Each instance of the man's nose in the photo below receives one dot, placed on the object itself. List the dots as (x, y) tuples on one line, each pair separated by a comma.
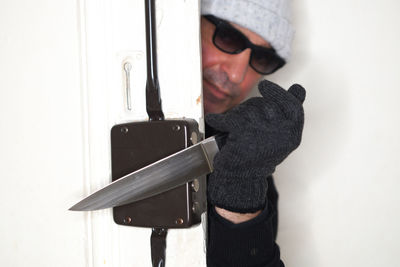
[(236, 66)]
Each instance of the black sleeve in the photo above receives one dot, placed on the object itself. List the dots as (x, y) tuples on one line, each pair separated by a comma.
[(248, 244)]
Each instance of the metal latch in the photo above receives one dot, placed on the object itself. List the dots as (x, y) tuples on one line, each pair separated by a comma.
[(136, 145)]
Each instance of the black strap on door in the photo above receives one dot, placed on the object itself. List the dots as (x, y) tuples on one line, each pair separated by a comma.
[(158, 240), (153, 97)]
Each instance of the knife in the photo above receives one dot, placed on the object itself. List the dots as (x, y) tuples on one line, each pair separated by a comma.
[(168, 173)]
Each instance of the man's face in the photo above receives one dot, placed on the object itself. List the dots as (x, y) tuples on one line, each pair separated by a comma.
[(227, 78)]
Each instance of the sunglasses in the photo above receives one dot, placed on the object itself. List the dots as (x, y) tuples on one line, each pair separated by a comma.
[(230, 40)]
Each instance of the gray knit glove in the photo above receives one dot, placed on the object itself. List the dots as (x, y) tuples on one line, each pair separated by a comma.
[(261, 133)]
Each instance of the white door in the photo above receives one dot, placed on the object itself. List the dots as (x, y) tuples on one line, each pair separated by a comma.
[(62, 88)]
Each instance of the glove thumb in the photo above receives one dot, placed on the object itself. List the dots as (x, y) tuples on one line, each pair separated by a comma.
[(298, 91)]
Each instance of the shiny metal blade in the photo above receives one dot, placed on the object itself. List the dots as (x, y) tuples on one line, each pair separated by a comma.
[(158, 177)]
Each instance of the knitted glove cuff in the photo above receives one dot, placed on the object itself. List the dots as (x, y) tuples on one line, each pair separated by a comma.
[(248, 196)]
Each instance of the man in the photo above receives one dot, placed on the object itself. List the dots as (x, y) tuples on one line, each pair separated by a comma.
[(242, 40)]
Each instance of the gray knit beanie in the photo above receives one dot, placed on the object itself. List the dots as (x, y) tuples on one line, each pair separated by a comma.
[(268, 18)]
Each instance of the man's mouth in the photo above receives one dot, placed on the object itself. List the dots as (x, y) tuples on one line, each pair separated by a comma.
[(212, 92)]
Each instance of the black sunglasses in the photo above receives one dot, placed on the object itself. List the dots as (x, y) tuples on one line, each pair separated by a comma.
[(230, 40)]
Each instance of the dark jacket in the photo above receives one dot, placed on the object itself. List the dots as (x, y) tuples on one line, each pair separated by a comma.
[(248, 244)]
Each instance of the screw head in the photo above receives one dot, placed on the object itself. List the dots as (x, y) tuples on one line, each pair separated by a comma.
[(124, 129), (193, 138), (176, 128), (179, 221), (195, 206), (195, 185)]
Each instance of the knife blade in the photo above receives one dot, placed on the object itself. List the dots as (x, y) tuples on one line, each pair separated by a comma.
[(158, 177)]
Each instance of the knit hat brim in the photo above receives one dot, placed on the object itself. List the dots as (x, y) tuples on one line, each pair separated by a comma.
[(262, 19)]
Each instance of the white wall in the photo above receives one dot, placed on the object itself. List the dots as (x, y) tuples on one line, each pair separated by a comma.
[(339, 200)]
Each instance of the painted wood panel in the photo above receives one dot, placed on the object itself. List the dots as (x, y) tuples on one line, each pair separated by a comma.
[(41, 145), (115, 34)]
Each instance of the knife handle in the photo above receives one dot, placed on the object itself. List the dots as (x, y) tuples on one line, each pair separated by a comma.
[(220, 138)]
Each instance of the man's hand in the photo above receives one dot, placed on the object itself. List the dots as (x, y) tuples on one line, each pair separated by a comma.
[(262, 132)]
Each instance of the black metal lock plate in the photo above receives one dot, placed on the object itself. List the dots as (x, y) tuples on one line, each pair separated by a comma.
[(136, 145)]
